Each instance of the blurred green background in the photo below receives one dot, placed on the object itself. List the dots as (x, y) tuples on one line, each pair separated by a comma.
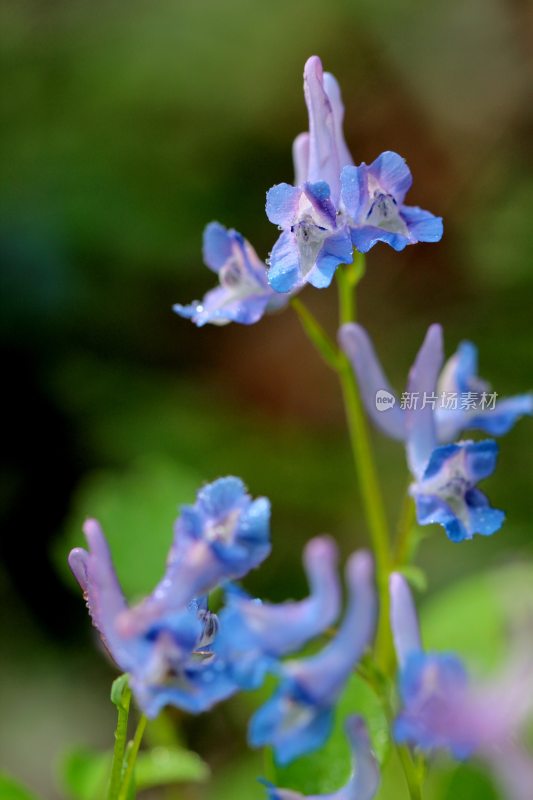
[(125, 128)]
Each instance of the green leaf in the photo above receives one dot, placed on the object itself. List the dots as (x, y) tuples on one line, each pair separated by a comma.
[(85, 773), (415, 576), (472, 617), (12, 790), (327, 770), (120, 692), (164, 765)]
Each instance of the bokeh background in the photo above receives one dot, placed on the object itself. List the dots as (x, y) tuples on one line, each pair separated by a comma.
[(125, 128)]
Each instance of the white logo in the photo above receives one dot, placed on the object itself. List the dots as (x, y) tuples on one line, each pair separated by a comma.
[(384, 400)]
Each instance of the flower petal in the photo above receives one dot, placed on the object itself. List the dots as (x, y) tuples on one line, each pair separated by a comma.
[(422, 383), (371, 379), (392, 174), (404, 619)]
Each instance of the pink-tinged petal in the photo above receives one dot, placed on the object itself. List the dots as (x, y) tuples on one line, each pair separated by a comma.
[(404, 619), (334, 94), (300, 157), (324, 162), (422, 383), (105, 601), (282, 204), (376, 392)]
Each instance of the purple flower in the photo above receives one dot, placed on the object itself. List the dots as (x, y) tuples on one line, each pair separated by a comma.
[(169, 661), (244, 294), (253, 635), (444, 488), (298, 718), (315, 238), (372, 197), (364, 780), (442, 709)]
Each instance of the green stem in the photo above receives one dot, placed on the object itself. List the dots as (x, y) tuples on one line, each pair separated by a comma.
[(411, 773), (121, 734), (316, 334), (404, 545), (131, 758), (366, 471)]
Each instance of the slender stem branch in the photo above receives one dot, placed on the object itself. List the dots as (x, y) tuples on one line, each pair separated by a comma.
[(316, 334), (131, 758), (121, 735), (411, 773), (366, 468), (403, 545)]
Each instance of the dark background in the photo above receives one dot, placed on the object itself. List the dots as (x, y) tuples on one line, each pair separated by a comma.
[(125, 128)]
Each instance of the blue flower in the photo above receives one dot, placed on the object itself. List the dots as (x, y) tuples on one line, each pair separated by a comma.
[(166, 642), (298, 718), (313, 242), (372, 197), (244, 294), (253, 635), (315, 238), (364, 780), (446, 492), (222, 537), (482, 410), (444, 488), (441, 709), (168, 661)]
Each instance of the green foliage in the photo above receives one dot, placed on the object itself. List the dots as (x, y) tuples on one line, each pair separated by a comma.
[(10, 789), (164, 765), (85, 774), (472, 617)]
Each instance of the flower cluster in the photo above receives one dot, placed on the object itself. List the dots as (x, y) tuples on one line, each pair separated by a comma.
[(445, 473), (178, 652), (333, 208)]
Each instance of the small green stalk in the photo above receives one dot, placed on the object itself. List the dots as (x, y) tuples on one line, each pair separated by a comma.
[(121, 697), (131, 757)]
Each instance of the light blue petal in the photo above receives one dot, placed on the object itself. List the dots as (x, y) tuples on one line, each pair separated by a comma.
[(282, 204), (366, 236), (423, 226), (336, 250), (373, 384), (284, 271), (354, 191), (290, 726), (501, 419), (221, 496), (217, 245)]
